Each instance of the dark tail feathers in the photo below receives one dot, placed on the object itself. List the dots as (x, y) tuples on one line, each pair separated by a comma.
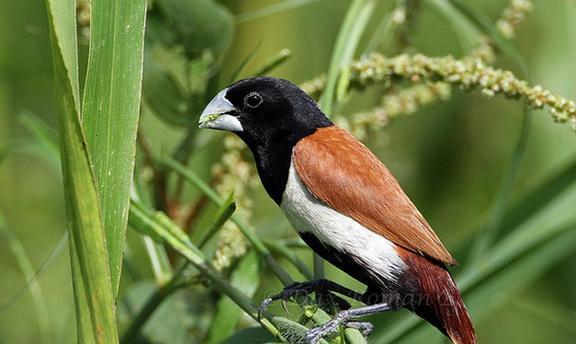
[(441, 303)]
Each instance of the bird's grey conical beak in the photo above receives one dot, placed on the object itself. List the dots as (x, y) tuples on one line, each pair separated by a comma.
[(218, 114)]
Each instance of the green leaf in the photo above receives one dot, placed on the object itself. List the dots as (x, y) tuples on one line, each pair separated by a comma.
[(110, 112), (197, 25), (349, 36), (95, 306), (245, 277)]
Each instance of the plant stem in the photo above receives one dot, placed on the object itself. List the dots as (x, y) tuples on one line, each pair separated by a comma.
[(258, 245)]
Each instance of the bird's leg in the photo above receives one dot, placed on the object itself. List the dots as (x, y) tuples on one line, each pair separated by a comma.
[(343, 318), (322, 287)]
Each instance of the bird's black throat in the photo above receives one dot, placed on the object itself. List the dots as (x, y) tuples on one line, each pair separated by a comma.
[(273, 156)]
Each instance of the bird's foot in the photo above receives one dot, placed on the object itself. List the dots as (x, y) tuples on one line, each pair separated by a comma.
[(363, 326), (321, 287), (314, 335)]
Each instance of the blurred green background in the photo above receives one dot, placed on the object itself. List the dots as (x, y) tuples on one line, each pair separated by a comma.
[(450, 157)]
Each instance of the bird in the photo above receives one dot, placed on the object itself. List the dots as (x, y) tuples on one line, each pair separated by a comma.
[(345, 205)]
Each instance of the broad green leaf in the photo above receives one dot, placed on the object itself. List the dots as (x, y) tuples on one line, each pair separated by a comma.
[(245, 277), (198, 25), (95, 306), (110, 112), (354, 24)]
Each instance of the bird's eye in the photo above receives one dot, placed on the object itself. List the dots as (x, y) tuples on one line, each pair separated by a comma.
[(253, 100)]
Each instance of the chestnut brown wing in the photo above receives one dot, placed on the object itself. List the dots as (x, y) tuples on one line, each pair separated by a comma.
[(340, 171)]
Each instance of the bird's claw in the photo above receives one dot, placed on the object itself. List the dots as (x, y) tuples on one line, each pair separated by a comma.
[(325, 298), (284, 296), (314, 335), (263, 305), (363, 326)]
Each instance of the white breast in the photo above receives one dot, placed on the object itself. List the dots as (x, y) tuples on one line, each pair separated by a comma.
[(308, 214)]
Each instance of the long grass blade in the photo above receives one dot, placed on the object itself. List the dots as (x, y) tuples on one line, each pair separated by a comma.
[(349, 36), (95, 303), (110, 112)]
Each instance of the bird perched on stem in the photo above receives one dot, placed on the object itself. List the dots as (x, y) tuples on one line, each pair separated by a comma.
[(345, 204)]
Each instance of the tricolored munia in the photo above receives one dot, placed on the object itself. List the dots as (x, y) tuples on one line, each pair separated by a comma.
[(345, 204)]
